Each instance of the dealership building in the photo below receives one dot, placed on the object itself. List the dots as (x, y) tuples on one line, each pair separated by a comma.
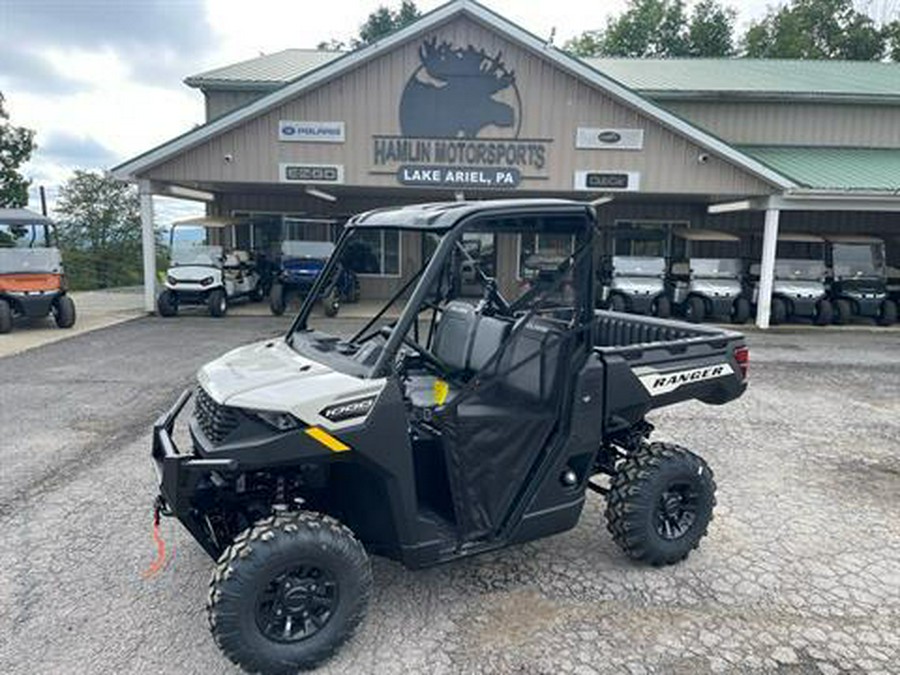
[(465, 104)]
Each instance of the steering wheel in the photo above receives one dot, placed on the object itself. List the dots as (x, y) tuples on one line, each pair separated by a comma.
[(431, 359)]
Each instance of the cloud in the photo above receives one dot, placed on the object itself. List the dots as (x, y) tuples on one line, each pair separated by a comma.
[(150, 36), (24, 70), (76, 151)]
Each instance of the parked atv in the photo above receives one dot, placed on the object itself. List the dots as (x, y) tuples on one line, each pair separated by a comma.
[(858, 283), (798, 289), (204, 274), (32, 280), (301, 262), (706, 276), (458, 428)]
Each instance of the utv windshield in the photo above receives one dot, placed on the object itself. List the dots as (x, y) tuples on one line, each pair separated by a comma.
[(795, 259), (799, 269), (628, 266), (858, 260), (309, 250), (533, 261)]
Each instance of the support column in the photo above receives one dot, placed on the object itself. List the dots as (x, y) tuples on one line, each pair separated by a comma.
[(148, 244), (767, 268)]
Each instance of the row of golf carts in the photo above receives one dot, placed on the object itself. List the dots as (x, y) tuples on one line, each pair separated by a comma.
[(705, 277), (205, 274)]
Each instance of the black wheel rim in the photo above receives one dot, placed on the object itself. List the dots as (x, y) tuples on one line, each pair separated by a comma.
[(676, 510), (296, 604)]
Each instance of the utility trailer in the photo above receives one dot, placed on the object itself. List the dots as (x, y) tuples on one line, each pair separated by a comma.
[(458, 428)]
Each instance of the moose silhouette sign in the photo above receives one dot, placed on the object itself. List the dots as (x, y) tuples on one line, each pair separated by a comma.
[(451, 94), (460, 115)]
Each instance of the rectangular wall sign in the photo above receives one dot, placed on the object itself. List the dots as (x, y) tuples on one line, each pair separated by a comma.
[(608, 181), (311, 132), (311, 173), (598, 138)]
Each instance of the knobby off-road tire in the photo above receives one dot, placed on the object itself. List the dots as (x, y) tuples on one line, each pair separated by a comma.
[(288, 564), (6, 320), (660, 503), (64, 311), (217, 303)]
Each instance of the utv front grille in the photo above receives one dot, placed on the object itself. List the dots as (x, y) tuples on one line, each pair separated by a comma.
[(216, 421)]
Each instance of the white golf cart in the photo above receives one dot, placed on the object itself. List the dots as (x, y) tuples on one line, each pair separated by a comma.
[(201, 273), (707, 275)]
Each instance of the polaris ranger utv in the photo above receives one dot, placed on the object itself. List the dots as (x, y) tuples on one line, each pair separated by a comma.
[(707, 275), (299, 265), (458, 428), (204, 274), (32, 281), (858, 283)]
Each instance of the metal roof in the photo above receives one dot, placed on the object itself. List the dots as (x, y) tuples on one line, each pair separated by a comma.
[(22, 217), (265, 72), (658, 78), (130, 169), (443, 216), (756, 78), (871, 169)]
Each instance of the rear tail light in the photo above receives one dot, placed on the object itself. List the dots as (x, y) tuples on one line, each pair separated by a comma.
[(742, 356)]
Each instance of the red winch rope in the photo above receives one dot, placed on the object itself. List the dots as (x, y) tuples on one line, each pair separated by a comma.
[(160, 562)]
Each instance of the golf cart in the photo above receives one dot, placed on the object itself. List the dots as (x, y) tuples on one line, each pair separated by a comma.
[(300, 264), (32, 282), (858, 285), (458, 428), (707, 275), (204, 274), (798, 289), (634, 277)]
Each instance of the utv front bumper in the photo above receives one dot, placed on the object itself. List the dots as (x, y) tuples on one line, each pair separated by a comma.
[(180, 473)]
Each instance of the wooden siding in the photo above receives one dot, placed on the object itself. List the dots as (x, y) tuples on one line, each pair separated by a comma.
[(553, 105), (867, 126)]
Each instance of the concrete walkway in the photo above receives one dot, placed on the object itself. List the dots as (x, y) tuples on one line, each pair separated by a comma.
[(93, 309)]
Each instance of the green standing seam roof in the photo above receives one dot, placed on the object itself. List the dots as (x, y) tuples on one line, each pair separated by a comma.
[(850, 169), (662, 78), (784, 78)]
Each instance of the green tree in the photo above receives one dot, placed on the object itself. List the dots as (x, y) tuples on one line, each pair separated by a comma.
[(661, 28), (711, 30), (100, 231), (383, 21), (16, 146), (815, 29), (891, 34)]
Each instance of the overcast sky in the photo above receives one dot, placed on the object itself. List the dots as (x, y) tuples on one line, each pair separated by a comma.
[(101, 80)]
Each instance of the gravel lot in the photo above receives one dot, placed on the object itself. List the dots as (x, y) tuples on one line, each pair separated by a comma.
[(800, 572)]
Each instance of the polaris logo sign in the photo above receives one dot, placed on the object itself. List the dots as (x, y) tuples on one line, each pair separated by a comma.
[(658, 383), (311, 132)]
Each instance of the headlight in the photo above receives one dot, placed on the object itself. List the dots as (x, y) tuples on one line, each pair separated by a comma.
[(206, 281), (172, 280), (280, 421), (349, 410)]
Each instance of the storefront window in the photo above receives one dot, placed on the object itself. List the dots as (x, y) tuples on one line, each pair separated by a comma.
[(643, 238), (375, 252)]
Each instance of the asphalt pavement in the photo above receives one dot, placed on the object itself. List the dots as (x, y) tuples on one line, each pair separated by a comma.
[(800, 572)]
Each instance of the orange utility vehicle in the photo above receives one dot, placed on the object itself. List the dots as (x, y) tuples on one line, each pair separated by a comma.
[(32, 283)]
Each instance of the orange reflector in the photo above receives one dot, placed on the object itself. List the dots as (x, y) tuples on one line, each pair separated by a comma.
[(327, 439)]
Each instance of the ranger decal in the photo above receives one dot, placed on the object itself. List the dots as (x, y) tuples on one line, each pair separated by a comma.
[(658, 383)]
